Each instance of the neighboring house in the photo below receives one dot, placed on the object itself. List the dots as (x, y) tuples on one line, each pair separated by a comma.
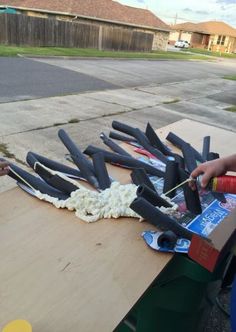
[(102, 12), (212, 35)]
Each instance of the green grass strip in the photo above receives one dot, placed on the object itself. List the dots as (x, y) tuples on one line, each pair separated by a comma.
[(230, 77), (12, 51), (231, 109), (210, 53)]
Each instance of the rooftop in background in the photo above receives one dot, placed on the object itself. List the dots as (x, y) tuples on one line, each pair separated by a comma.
[(108, 10), (210, 27)]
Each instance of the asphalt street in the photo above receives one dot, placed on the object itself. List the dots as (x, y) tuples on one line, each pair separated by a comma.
[(132, 73), (24, 79)]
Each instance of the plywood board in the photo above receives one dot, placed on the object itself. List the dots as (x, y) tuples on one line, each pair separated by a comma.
[(63, 274), (222, 141)]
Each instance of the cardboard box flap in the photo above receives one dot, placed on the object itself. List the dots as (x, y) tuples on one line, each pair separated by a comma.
[(221, 234)]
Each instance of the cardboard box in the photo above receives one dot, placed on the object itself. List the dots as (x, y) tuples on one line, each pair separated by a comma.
[(223, 238)]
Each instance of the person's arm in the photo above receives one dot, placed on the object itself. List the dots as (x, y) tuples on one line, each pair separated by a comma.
[(213, 168), (3, 168)]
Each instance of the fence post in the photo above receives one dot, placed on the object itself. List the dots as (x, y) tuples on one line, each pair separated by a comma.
[(6, 29), (100, 38)]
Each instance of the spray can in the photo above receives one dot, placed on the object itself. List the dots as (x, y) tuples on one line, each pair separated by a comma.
[(222, 184)]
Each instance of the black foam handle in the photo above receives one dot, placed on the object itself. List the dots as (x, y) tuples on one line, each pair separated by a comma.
[(192, 198), (206, 147), (167, 239), (124, 128), (33, 157), (20, 175), (113, 146), (152, 196), (212, 156), (124, 161), (177, 141), (189, 157), (139, 176), (143, 140), (86, 171), (180, 160), (79, 159), (140, 137), (153, 215), (101, 171), (73, 149), (171, 178), (219, 196), (155, 140), (122, 138), (55, 180)]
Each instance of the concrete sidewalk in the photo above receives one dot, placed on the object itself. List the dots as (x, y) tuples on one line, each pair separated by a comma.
[(33, 124)]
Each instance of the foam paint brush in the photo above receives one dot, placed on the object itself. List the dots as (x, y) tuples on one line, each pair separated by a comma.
[(101, 171), (139, 176), (113, 146), (155, 141), (122, 138), (191, 197), (34, 183), (141, 139), (212, 156), (216, 194), (124, 161), (87, 173), (33, 157), (206, 147), (124, 128), (152, 196), (189, 157), (73, 149), (177, 141), (171, 178), (55, 180), (85, 166), (159, 219)]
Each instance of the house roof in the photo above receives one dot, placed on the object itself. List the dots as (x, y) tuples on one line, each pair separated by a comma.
[(108, 10), (210, 27)]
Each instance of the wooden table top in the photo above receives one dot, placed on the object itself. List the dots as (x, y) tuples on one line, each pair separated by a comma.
[(63, 274)]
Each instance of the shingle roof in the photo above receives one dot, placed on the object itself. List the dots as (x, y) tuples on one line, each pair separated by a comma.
[(101, 9), (210, 27)]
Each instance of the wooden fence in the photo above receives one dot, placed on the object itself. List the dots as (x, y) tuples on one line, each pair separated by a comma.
[(34, 31)]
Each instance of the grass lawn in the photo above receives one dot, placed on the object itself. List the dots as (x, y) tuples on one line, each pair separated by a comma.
[(83, 52), (232, 77), (206, 52), (231, 109)]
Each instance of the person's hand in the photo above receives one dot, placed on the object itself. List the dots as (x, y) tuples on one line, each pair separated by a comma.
[(3, 168), (210, 169)]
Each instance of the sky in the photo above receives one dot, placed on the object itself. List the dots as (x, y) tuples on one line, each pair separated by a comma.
[(179, 11)]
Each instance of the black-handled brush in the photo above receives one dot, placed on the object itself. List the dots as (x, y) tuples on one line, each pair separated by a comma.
[(79, 159)]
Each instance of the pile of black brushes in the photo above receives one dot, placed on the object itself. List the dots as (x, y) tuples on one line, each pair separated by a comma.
[(53, 177)]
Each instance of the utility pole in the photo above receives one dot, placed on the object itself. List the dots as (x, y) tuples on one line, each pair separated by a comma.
[(176, 17)]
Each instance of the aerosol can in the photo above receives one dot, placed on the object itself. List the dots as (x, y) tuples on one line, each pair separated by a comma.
[(221, 184)]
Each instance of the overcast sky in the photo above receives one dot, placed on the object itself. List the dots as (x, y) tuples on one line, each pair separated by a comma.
[(189, 10)]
